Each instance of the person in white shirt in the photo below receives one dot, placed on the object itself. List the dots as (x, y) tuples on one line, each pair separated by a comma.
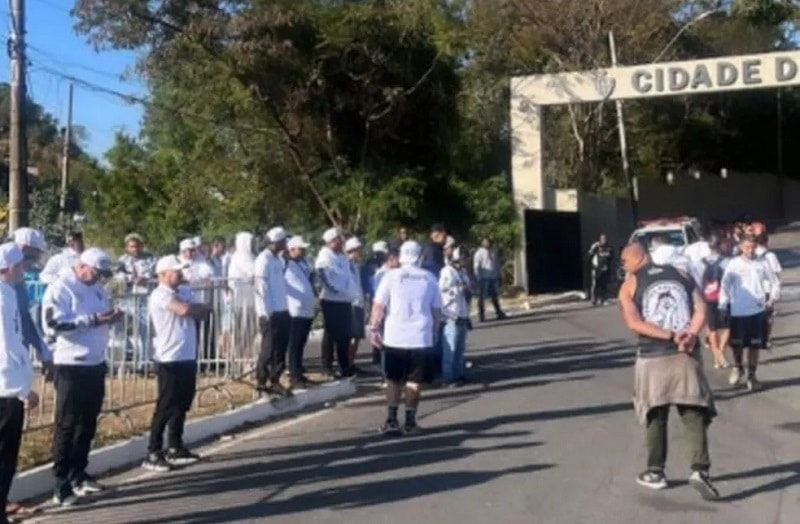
[(749, 288), (199, 272), (662, 254), (699, 250), (272, 308), (352, 249), (336, 302), (487, 272), (301, 298), (771, 260), (16, 371), (135, 271), (78, 309), (199, 277), (172, 310), (241, 270), (64, 260), (455, 318), (408, 300)]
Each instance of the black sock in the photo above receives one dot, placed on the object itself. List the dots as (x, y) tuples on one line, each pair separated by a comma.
[(392, 414), (751, 371), (411, 416)]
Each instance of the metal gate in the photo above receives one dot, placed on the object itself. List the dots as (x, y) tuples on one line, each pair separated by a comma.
[(554, 251)]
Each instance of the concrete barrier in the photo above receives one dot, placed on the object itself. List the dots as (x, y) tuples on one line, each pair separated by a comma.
[(39, 481)]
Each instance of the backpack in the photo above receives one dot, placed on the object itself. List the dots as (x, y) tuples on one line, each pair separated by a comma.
[(712, 279)]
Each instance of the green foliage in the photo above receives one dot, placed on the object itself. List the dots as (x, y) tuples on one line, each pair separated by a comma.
[(373, 114)]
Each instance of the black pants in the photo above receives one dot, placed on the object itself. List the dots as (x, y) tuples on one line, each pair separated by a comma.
[(79, 397), (275, 334), (177, 382), (487, 287), (298, 337), (12, 414), (600, 281), (337, 318)]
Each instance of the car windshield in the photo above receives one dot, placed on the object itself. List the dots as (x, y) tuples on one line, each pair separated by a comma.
[(673, 236)]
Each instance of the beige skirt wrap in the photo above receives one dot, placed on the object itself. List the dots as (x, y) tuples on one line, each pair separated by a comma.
[(670, 380)]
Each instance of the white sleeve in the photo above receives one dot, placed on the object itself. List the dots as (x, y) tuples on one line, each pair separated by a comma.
[(447, 290), (774, 263), (11, 336), (58, 312), (383, 292), (49, 273)]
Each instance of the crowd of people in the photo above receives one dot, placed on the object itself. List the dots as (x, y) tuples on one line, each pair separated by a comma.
[(726, 283), (415, 298)]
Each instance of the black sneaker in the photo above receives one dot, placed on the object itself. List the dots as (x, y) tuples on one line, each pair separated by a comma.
[(411, 428), (390, 428), (652, 479), (156, 462), (86, 485), (181, 456), (702, 483), (64, 496)]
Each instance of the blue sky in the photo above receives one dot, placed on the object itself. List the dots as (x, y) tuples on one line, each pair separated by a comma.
[(54, 45)]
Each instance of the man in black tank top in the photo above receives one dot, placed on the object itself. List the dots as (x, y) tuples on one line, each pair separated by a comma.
[(663, 306)]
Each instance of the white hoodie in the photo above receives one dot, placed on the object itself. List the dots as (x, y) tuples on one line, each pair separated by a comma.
[(241, 271), (669, 255), (16, 371)]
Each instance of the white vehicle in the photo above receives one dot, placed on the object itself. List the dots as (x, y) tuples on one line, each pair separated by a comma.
[(679, 231)]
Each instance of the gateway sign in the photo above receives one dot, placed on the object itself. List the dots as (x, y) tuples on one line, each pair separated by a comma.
[(676, 80), (733, 73)]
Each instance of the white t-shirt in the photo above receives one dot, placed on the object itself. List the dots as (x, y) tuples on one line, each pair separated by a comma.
[(410, 296), (299, 292), (174, 336), (745, 285), (69, 307)]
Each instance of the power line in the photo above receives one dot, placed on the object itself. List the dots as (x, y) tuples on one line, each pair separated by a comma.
[(132, 99), (66, 64)]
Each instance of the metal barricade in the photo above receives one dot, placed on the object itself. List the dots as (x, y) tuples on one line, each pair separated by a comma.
[(228, 345)]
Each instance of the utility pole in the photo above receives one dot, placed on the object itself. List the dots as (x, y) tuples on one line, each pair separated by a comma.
[(18, 161), (630, 178), (67, 139)]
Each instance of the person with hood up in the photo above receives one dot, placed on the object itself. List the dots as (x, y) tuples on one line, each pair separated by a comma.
[(662, 253), (240, 294)]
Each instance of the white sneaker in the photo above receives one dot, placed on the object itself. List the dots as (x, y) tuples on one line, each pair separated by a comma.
[(735, 377)]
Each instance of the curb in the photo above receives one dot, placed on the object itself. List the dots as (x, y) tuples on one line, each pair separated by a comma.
[(39, 480)]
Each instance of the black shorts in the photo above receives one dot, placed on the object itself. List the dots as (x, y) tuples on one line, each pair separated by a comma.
[(357, 329), (407, 365), (749, 332), (717, 318)]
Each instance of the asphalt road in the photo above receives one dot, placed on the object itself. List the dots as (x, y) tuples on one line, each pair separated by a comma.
[(546, 435)]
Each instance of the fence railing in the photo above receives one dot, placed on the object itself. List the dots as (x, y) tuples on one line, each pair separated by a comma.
[(228, 345)]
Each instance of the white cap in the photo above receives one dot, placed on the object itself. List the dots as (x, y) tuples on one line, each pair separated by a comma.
[(170, 263), (10, 255), (27, 236), (187, 243), (96, 258), (352, 244), (276, 234), (330, 235), (409, 253), (380, 247), (297, 242), (198, 241), (449, 241)]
